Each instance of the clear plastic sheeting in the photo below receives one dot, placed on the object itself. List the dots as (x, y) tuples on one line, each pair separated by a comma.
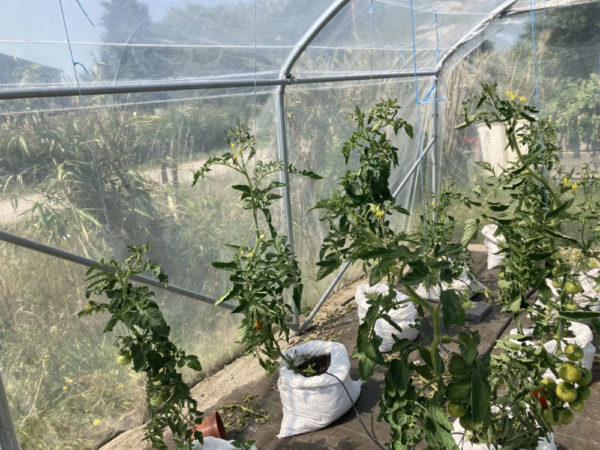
[(64, 386), (109, 107), (145, 148), (318, 124), (378, 36), (149, 40), (565, 85)]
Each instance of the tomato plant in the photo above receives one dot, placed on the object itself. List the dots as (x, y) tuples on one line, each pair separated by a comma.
[(359, 217), (263, 269), (147, 345), (549, 238)]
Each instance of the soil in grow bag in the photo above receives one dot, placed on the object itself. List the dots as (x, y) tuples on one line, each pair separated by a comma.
[(315, 366)]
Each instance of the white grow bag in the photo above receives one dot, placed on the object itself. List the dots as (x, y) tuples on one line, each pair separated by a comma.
[(491, 244), (213, 443), (461, 437), (589, 297), (312, 403), (405, 316), (582, 337), (462, 283)]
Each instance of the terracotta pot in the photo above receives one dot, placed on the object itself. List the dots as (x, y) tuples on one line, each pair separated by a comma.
[(212, 426)]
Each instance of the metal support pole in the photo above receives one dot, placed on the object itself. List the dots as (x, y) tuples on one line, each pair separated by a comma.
[(324, 297), (412, 169), (164, 86), (67, 256), (285, 179), (434, 159), (8, 437)]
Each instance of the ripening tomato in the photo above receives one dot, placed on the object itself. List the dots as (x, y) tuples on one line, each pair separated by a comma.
[(541, 396)]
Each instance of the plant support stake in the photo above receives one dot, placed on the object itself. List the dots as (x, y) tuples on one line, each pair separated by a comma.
[(67, 256)]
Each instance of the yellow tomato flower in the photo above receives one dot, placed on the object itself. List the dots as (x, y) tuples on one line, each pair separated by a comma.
[(433, 203), (565, 181), (232, 145), (234, 156), (96, 422), (379, 214), (522, 99), (251, 255), (239, 149), (574, 187), (64, 388), (69, 380)]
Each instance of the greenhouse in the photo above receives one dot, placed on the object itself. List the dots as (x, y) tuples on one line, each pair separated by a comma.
[(273, 224)]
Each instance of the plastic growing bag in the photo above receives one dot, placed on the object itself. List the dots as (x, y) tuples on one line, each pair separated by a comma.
[(213, 443), (462, 283), (590, 296), (461, 437), (491, 244), (582, 337), (312, 403), (405, 316)]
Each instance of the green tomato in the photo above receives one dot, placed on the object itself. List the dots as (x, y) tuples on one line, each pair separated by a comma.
[(124, 358), (565, 416), (467, 423), (156, 400), (573, 287), (549, 416), (569, 372), (566, 392), (549, 384), (574, 352), (586, 377), (583, 393), (556, 283), (571, 307), (456, 409), (577, 405)]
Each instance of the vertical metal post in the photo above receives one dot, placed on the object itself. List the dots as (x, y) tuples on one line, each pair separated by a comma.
[(8, 437), (434, 156), (285, 178)]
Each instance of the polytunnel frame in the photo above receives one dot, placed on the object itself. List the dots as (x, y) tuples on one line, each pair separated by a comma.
[(8, 439)]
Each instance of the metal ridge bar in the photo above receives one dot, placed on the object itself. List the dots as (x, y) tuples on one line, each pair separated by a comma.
[(361, 77), (310, 34), (132, 88), (414, 167), (71, 257)]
